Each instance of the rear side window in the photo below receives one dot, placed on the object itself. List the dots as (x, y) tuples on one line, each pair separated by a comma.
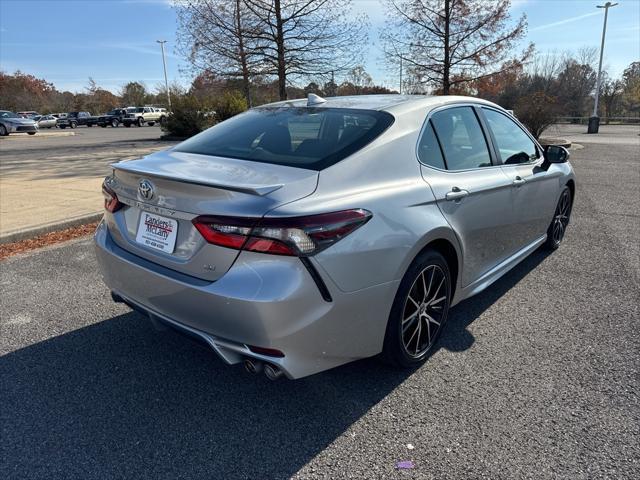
[(461, 138), (312, 138), (429, 151), (513, 144)]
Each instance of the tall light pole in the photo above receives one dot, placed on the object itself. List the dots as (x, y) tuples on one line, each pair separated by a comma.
[(594, 121), (164, 66)]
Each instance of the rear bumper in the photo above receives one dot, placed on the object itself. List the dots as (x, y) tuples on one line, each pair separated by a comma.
[(263, 300)]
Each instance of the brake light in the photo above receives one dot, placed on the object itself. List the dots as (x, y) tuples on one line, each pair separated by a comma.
[(294, 236), (111, 202)]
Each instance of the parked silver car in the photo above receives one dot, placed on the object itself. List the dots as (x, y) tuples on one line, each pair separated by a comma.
[(13, 123), (305, 234), (45, 121)]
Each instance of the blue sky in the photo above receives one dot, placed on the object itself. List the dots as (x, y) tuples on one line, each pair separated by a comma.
[(113, 41)]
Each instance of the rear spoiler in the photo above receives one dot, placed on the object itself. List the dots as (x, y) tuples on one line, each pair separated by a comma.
[(259, 190)]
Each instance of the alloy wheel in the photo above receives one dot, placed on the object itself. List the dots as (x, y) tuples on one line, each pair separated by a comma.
[(561, 217), (424, 311)]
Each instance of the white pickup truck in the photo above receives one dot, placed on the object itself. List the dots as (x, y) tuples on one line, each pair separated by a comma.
[(145, 115)]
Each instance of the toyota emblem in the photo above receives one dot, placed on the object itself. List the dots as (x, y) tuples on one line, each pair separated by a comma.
[(145, 189)]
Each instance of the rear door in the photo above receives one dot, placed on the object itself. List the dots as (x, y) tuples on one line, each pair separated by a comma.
[(534, 190), (472, 191)]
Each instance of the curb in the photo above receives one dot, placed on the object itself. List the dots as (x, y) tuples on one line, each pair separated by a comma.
[(14, 136), (27, 233)]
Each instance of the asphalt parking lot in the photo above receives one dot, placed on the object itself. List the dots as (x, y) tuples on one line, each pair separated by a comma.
[(537, 377)]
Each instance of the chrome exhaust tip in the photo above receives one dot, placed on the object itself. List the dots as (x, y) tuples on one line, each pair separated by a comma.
[(252, 366), (272, 372)]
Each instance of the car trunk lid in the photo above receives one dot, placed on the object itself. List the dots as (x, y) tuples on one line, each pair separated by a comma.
[(184, 186)]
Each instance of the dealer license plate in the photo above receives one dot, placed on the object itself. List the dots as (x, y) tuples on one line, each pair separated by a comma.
[(157, 232)]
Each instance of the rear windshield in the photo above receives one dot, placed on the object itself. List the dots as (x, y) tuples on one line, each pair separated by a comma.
[(312, 138)]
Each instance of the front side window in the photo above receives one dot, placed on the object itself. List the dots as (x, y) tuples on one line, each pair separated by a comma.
[(312, 138), (461, 138), (512, 143)]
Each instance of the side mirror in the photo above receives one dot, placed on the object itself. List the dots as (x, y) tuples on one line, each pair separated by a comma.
[(556, 154)]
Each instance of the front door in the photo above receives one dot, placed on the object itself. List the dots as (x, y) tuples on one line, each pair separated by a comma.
[(535, 190)]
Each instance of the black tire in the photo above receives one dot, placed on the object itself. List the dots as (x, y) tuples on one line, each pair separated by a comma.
[(427, 270), (3, 131), (560, 220), (128, 125), (114, 123), (89, 125), (151, 124), (73, 124), (103, 125), (31, 133), (140, 121), (62, 126), (163, 120)]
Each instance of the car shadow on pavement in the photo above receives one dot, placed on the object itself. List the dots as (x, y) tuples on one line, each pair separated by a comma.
[(117, 399), (456, 337)]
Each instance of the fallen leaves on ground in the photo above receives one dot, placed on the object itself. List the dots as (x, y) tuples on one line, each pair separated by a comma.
[(51, 238)]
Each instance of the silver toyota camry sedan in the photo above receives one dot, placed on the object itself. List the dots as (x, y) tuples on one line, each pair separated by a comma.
[(305, 234)]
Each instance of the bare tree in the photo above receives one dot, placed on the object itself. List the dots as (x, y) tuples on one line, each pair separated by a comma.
[(359, 78), (448, 43), (543, 70), (306, 38), (611, 93), (218, 36)]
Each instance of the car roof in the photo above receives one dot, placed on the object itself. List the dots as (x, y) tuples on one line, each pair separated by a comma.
[(393, 103)]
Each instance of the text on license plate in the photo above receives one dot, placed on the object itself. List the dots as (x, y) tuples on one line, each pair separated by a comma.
[(157, 232)]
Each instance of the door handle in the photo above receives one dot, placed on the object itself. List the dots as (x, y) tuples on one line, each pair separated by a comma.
[(456, 194), (518, 181)]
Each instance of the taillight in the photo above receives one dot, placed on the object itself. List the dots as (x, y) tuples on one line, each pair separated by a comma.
[(295, 236), (111, 202)]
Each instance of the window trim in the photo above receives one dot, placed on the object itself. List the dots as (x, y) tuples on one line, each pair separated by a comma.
[(427, 124), (539, 149), (490, 146)]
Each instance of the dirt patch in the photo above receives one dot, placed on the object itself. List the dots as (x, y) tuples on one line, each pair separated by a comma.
[(10, 249)]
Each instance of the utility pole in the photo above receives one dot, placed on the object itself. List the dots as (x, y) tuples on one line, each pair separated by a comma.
[(400, 74), (333, 84), (164, 66), (594, 120)]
